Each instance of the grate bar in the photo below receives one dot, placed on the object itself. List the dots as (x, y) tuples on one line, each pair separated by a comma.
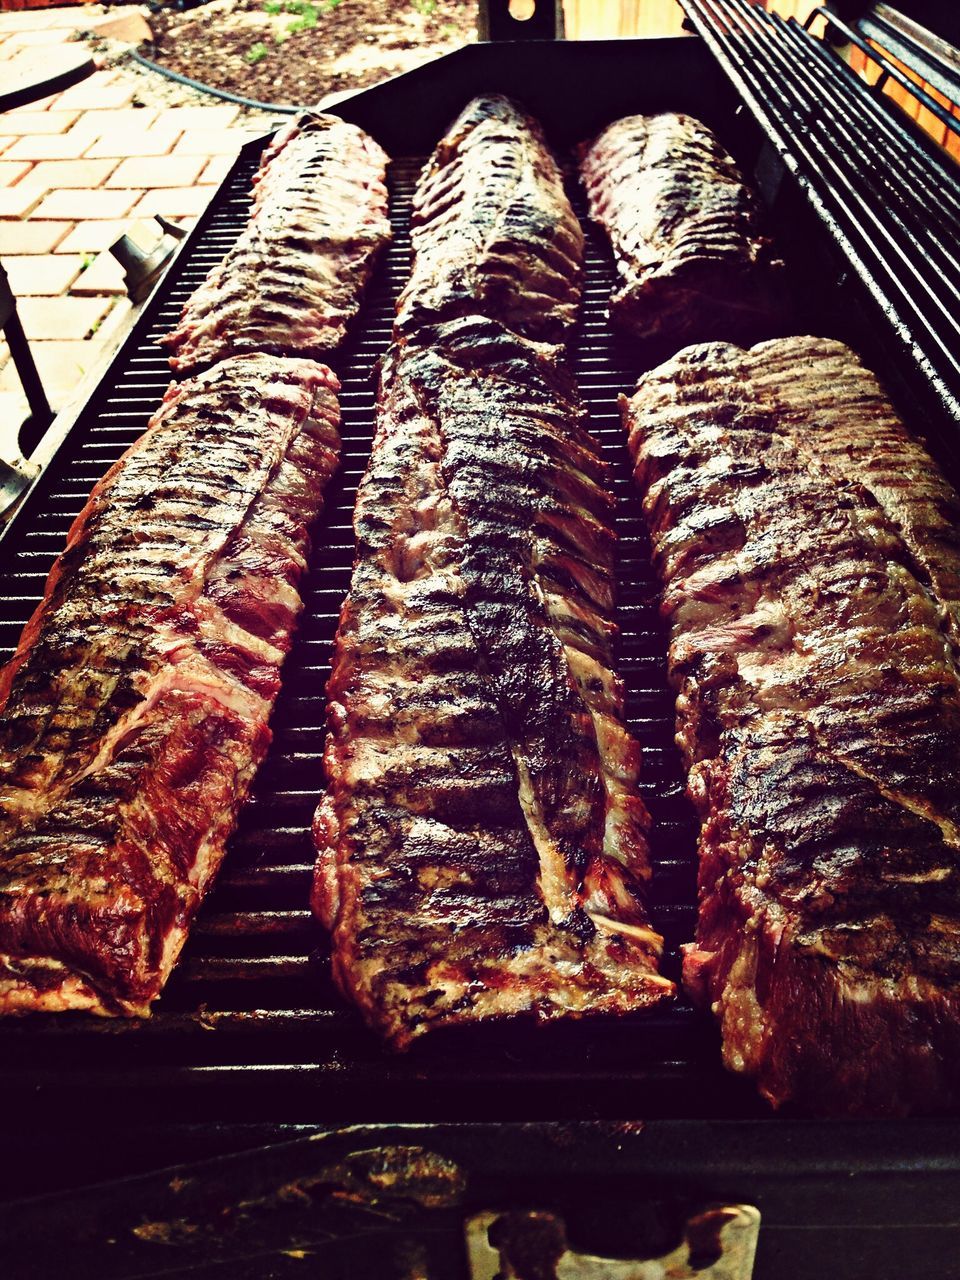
[(814, 109)]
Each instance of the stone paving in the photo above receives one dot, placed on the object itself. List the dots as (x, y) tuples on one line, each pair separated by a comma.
[(78, 169)]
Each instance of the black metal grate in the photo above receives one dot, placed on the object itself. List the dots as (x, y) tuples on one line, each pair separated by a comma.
[(250, 1026), (891, 204)]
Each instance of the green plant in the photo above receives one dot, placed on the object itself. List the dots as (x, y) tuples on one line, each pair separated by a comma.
[(425, 7), (307, 12), (273, 7), (256, 53), (87, 260)]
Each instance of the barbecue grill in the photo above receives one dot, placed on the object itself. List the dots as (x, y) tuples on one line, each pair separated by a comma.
[(250, 1043)]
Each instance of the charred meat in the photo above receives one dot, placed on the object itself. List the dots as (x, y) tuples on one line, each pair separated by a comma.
[(685, 232), (809, 550), (295, 278), (482, 847), (134, 712), (493, 232)]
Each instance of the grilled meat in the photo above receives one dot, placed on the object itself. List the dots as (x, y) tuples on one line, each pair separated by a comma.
[(294, 279), (809, 550), (134, 712), (482, 848), (685, 234), (493, 232)]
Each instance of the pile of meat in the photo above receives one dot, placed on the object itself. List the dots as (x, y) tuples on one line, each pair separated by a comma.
[(482, 847), (134, 713)]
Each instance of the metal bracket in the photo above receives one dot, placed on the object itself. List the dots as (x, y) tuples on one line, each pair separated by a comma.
[(719, 1244), (143, 268), (16, 472)]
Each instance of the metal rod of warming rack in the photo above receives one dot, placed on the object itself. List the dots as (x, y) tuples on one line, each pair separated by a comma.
[(881, 233), (942, 192), (857, 183), (872, 178), (520, 20), (890, 72)]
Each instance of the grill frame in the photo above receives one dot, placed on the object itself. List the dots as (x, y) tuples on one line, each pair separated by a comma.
[(664, 1067)]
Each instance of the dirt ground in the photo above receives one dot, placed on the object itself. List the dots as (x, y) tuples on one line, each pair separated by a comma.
[(296, 52)]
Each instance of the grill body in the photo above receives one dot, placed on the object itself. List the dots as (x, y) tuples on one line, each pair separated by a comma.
[(250, 1039)]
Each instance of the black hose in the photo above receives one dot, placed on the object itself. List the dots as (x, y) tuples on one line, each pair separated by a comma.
[(206, 88)]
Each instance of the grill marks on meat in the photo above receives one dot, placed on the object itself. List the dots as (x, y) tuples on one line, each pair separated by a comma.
[(133, 715), (493, 232), (294, 279), (482, 847), (685, 232), (809, 550)]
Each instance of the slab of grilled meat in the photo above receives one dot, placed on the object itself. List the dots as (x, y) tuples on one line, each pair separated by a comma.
[(810, 555), (295, 277), (493, 232), (134, 712), (482, 847), (685, 231)]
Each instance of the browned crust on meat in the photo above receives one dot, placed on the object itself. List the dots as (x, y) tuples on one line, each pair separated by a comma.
[(809, 550), (685, 231), (295, 278), (493, 231), (482, 849), (134, 712)]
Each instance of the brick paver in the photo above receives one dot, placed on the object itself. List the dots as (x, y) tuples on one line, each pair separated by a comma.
[(47, 146), (158, 171), (11, 171), (55, 175), (17, 202), (103, 276), (86, 204), (91, 237), (26, 123), (77, 170), (31, 237), (48, 274), (175, 202), (134, 143), (52, 319)]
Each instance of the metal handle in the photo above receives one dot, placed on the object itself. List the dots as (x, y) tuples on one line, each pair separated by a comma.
[(496, 22)]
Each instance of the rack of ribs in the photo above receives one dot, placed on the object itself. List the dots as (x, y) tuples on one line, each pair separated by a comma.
[(493, 232), (133, 715), (685, 232), (295, 277), (809, 550), (482, 846)]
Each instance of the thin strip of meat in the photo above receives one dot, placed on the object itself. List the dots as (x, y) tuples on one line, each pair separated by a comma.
[(295, 277), (493, 231), (482, 847), (134, 712), (685, 232), (809, 550)]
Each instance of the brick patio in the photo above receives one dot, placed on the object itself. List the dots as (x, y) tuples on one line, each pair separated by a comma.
[(77, 170)]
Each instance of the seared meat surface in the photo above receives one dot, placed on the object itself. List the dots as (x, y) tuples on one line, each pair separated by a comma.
[(685, 232), (295, 277), (493, 231), (482, 848), (134, 712), (809, 550)]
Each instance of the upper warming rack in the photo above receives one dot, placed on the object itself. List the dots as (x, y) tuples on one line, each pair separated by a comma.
[(890, 202)]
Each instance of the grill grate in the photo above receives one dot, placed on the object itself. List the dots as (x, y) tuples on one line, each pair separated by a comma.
[(250, 1026), (889, 202)]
